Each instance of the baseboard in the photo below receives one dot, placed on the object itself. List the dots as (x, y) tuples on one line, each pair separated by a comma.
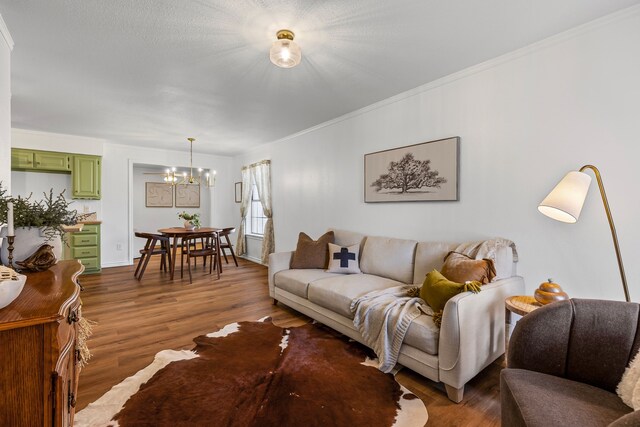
[(253, 259), (115, 264)]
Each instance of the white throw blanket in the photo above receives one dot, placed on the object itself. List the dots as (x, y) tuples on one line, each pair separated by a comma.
[(383, 318), (629, 387), (488, 249)]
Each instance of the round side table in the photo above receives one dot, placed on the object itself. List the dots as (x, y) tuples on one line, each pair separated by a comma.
[(518, 304)]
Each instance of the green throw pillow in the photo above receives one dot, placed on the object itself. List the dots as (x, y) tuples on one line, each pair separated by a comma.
[(437, 290)]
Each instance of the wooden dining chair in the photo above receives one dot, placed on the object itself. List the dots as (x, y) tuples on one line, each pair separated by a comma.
[(226, 244), (150, 249), (210, 248)]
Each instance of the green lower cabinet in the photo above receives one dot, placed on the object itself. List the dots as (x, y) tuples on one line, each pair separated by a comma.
[(85, 246)]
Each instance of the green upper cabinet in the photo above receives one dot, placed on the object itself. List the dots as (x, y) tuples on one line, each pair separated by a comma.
[(40, 161), (85, 170), (21, 159), (51, 161), (86, 177)]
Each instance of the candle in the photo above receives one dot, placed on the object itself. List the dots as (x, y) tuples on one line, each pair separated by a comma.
[(10, 231)]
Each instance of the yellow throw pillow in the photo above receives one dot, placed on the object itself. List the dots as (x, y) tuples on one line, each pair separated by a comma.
[(437, 290)]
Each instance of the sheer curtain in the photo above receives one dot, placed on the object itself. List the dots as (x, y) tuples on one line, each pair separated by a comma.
[(241, 248), (261, 172)]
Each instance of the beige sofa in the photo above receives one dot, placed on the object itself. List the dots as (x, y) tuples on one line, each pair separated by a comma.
[(472, 334)]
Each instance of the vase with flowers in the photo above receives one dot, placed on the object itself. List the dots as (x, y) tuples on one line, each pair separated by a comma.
[(191, 221)]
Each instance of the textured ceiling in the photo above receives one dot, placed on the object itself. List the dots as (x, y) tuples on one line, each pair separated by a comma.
[(152, 72)]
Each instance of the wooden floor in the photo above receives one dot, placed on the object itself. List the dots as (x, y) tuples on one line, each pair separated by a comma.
[(135, 320)]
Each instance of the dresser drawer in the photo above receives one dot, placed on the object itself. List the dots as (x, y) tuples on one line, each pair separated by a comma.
[(84, 240), (89, 229), (90, 263), (84, 252)]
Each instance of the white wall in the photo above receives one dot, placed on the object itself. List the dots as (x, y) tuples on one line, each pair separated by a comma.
[(524, 120), (6, 45), (38, 184), (149, 219), (48, 141), (117, 168)]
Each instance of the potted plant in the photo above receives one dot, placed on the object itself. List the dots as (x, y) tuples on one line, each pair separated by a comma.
[(36, 222), (191, 221)]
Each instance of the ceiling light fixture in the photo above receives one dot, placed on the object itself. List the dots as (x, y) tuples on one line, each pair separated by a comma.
[(285, 53), (170, 176)]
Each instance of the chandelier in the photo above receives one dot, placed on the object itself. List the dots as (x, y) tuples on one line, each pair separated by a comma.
[(173, 178)]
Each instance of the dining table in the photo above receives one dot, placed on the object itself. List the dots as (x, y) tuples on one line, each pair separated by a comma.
[(176, 233)]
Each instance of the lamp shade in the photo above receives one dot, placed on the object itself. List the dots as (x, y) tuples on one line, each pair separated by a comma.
[(564, 202), (285, 53)]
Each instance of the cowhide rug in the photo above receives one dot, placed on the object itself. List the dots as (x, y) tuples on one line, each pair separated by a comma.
[(258, 374)]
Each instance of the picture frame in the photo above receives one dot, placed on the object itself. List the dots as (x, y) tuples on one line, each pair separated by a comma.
[(238, 192), (425, 172), (187, 195), (158, 195)]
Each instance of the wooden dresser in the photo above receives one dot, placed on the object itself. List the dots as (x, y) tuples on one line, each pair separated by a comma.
[(38, 357)]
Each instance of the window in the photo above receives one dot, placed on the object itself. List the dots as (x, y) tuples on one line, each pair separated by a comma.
[(256, 216)]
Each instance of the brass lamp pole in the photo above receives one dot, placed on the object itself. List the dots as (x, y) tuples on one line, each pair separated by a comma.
[(565, 201)]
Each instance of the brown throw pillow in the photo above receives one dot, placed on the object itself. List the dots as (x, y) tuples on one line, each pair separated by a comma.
[(312, 253), (461, 268)]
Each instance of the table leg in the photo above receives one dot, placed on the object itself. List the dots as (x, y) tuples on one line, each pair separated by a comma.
[(173, 256), (507, 331)]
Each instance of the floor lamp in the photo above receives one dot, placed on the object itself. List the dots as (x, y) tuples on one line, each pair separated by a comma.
[(565, 201)]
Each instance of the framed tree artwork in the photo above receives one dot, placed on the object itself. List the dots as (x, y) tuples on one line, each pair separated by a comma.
[(158, 195), (187, 196), (415, 173)]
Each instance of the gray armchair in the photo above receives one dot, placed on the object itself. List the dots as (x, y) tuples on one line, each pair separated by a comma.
[(564, 363)]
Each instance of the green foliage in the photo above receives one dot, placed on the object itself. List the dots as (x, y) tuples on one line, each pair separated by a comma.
[(50, 214), (193, 218)]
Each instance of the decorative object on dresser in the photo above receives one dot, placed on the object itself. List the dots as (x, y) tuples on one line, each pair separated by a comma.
[(549, 292), (38, 334), (304, 376), (41, 260), (11, 284), (35, 222), (564, 203), (415, 173)]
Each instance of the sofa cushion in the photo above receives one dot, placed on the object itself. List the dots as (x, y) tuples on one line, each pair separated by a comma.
[(390, 258), (534, 399), (336, 293), (312, 253), (297, 281), (344, 259), (430, 256), (462, 268), (423, 334)]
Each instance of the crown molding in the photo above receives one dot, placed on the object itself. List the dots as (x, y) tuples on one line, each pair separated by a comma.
[(474, 69), (5, 33)]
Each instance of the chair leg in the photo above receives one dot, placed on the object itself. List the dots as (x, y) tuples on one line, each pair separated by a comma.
[(224, 253), (182, 262), (189, 267), (233, 255), (144, 267), (140, 261)]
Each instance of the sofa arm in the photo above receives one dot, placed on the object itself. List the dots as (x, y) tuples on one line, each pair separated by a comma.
[(472, 333), (278, 261)]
